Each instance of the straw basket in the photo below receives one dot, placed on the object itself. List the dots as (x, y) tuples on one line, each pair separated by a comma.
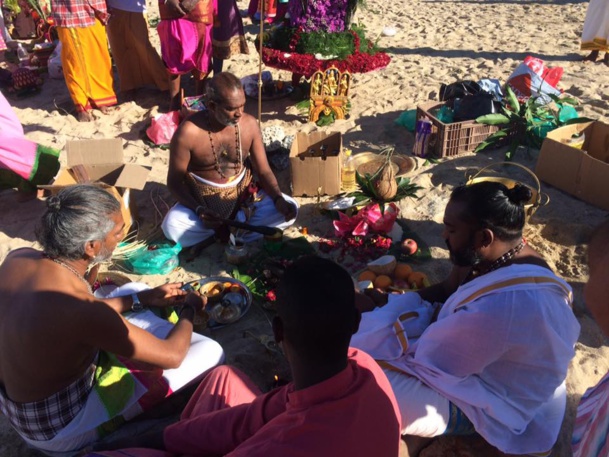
[(531, 206)]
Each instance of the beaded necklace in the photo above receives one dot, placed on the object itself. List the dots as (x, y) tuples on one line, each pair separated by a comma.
[(237, 166), (73, 270), (497, 263)]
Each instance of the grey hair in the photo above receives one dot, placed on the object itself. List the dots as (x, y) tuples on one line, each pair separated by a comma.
[(76, 215), (222, 81)]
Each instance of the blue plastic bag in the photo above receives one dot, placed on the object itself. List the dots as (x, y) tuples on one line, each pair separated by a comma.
[(407, 119), (157, 259)]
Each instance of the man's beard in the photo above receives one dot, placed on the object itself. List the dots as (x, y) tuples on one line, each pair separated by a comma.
[(466, 257), (104, 254)]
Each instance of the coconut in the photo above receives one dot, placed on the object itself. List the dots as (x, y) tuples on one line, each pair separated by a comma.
[(383, 265), (384, 183)]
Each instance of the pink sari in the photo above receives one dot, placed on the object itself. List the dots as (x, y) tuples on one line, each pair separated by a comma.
[(23, 163)]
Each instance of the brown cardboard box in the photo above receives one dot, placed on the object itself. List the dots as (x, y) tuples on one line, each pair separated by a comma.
[(316, 160), (583, 173), (101, 161)]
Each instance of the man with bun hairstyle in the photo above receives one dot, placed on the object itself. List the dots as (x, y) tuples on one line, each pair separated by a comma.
[(495, 360)]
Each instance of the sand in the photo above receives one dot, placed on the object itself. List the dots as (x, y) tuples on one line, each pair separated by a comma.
[(436, 42)]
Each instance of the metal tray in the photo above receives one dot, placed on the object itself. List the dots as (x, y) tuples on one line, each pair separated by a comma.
[(243, 308)]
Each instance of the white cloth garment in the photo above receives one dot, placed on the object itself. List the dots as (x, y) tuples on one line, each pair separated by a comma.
[(183, 226), (499, 351), (596, 26)]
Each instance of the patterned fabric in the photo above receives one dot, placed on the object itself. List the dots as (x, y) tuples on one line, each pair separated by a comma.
[(591, 432), (42, 420), (224, 201), (78, 13), (228, 35)]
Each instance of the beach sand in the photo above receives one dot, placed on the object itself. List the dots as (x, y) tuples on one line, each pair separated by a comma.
[(436, 42)]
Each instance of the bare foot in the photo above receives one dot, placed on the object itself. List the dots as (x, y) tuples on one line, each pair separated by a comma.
[(105, 109), (606, 59), (591, 57), (84, 116)]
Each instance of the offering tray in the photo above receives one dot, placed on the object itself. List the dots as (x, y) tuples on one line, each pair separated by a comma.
[(369, 162), (228, 300)]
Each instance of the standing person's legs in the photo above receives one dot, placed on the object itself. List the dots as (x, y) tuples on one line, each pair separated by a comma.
[(87, 67), (137, 61)]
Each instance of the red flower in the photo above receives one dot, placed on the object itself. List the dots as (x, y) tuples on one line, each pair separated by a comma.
[(271, 296)]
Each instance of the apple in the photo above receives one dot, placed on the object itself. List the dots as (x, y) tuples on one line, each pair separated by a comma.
[(401, 284), (409, 246)]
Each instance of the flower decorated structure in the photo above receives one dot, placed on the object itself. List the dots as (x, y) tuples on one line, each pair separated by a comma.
[(323, 25)]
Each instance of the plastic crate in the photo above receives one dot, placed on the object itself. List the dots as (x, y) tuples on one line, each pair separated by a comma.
[(448, 140)]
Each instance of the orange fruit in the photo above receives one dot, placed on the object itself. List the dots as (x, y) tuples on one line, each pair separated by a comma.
[(418, 279), (227, 285), (235, 288), (382, 282), (366, 275), (402, 271)]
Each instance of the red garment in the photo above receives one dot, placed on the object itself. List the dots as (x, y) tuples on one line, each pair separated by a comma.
[(353, 413), (78, 13)]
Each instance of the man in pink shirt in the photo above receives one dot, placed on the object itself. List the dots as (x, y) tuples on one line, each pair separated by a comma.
[(339, 403)]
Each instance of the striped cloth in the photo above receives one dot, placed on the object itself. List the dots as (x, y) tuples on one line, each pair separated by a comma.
[(42, 420), (591, 431), (78, 13)]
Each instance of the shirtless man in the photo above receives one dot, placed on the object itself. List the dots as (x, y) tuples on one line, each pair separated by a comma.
[(212, 157), (55, 334)]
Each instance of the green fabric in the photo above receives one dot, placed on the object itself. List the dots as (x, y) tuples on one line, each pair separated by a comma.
[(114, 383), (45, 168)]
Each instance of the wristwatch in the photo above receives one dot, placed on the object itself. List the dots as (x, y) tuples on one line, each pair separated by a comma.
[(137, 306)]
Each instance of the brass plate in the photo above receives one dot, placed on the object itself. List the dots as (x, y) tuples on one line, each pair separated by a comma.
[(404, 164)]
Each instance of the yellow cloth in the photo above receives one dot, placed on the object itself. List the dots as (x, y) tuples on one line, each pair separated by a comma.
[(137, 62), (86, 66)]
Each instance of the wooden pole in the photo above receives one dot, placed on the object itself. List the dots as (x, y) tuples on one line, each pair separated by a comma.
[(260, 44)]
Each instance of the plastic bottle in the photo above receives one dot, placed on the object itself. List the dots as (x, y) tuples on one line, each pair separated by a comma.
[(347, 175)]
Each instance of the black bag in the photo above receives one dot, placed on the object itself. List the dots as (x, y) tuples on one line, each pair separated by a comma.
[(459, 89), (473, 106)]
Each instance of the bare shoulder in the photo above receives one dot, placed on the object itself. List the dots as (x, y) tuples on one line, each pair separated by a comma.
[(249, 125), (189, 130), (23, 253)]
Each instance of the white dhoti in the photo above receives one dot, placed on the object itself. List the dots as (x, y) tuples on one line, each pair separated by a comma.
[(596, 27), (182, 225)]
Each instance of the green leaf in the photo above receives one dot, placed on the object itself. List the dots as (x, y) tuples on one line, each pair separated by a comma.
[(579, 120), (493, 119), (512, 99), (509, 155)]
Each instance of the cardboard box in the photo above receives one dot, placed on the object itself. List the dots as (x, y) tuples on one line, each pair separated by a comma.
[(583, 173), (101, 161), (316, 160)]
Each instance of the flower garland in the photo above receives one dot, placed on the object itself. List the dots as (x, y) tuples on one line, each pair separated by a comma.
[(307, 64)]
